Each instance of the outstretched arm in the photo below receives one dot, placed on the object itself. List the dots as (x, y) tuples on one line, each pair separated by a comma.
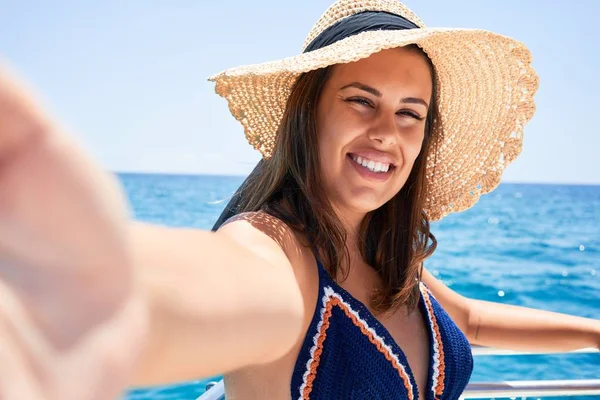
[(89, 298), (522, 328), (218, 301), (72, 321), (513, 327)]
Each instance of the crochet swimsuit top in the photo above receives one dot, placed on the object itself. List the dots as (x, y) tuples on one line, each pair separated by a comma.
[(348, 354)]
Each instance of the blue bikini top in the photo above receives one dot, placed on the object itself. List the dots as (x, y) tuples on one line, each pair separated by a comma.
[(348, 354)]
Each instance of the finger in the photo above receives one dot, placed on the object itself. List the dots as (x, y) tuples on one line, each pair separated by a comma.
[(21, 117)]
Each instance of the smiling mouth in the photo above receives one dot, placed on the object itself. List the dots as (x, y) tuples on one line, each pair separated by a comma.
[(371, 165)]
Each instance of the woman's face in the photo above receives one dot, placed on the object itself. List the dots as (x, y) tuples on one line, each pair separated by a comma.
[(371, 125)]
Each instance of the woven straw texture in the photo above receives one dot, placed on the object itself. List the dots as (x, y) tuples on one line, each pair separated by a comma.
[(485, 97)]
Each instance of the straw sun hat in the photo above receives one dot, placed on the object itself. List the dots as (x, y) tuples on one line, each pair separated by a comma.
[(485, 89)]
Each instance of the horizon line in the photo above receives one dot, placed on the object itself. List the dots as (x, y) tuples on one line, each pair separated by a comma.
[(171, 173)]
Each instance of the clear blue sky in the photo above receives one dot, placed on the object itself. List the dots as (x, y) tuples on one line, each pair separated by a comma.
[(129, 77)]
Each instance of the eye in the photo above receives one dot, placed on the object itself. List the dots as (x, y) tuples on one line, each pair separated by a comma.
[(411, 114), (360, 100)]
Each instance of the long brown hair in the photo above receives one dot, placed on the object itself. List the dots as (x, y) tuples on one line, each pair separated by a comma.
[(395, 238)]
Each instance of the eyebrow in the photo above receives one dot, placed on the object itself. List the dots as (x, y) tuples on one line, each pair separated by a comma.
[(377, 93)]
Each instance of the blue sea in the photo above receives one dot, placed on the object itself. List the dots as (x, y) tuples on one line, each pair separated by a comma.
[(523, 244)]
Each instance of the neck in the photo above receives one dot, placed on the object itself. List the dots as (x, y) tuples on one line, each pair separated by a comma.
[(352, 222)]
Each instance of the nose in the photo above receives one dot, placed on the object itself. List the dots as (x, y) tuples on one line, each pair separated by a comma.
[(384, 130)]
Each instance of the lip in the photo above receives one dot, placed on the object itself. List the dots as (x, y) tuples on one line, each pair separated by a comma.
[(375, 155), (372, 176)]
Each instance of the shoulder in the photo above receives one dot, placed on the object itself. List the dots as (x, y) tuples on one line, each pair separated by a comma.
[(259, 222), (263, 234), (276, 242)]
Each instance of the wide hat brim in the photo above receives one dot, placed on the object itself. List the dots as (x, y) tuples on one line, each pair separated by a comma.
[(485, 89)]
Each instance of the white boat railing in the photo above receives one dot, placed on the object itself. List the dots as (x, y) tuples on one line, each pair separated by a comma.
[(480, 390), (490, 351), (215, 392), (573, 387)]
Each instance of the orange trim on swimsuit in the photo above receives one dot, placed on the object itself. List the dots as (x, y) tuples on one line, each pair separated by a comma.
[(439, 387)]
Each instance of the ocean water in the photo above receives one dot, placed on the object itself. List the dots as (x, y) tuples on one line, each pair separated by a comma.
[(530, 245)]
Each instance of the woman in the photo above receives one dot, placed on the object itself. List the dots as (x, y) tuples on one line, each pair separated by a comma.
[(317, 285)]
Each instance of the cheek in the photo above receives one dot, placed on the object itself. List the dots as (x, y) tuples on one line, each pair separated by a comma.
[(331, 148), (413, 146), (410, 152), (335, 131), (414, 150)]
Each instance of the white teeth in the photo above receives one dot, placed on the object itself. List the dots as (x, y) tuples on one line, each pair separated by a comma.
[(372, 165)]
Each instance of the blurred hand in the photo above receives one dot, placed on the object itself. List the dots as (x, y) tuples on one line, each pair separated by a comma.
[(71, 318)]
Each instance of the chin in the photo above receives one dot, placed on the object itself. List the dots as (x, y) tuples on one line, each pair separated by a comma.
[(365, 203), (360, 199)]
